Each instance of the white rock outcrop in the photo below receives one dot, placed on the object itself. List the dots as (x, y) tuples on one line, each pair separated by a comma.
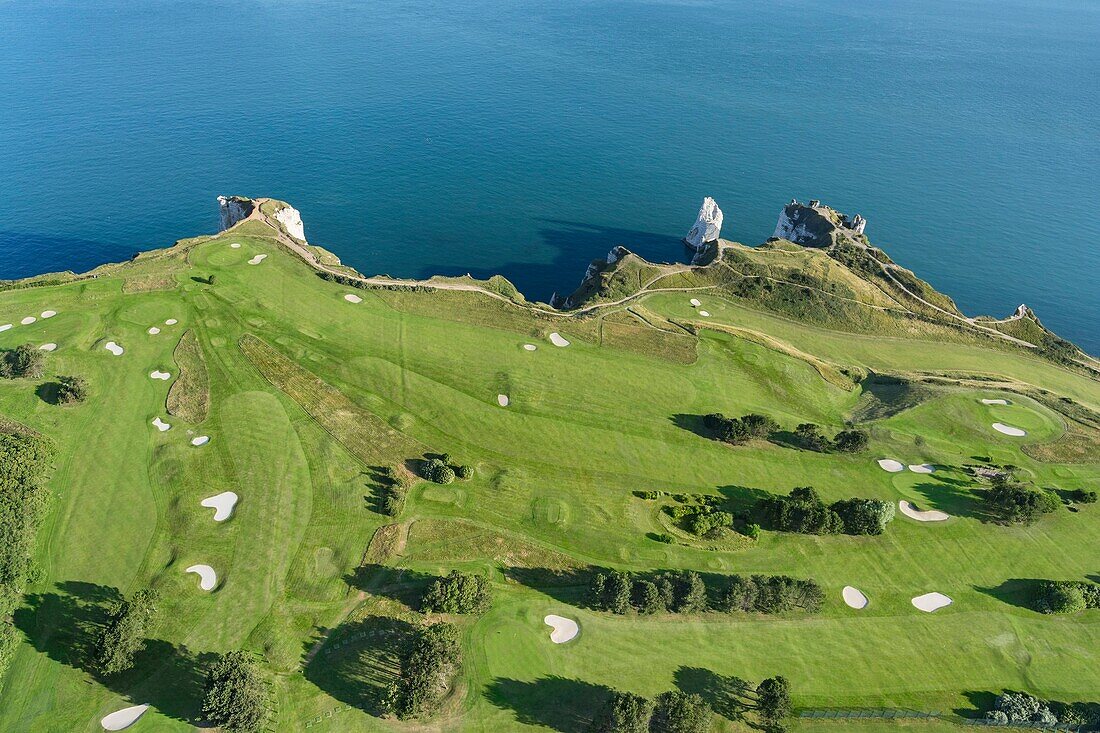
[(233, 209), (292, 222), (708, 226)]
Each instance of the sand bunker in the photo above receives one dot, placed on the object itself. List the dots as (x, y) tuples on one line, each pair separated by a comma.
[(502, 400), (704, 314), (854, 597), (922, 468), (564, 629), (695, 303), (157, 374), (122, 719), (200, 440), (557, 340), (929, 516), (171, 322), (48, 347), (207, 577), (222, 504), (929, 602), (236, 245), (161, 425), (113, 348), (1000, 427), (257, 259), (49, 314), (5, 327), (996, 402), (530, 347), (353, 298), (153, 330), (28, 320), (889, 464)]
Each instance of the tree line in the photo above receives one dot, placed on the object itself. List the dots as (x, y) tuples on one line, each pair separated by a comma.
[(686, 592), (804, 512), (741, 430)]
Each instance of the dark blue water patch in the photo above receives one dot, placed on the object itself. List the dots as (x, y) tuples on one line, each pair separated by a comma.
[(23, 254)]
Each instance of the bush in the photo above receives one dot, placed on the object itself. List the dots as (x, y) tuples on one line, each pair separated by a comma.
[(663, 538), (771, 594), (1081, 496), (802, 511), (236, 695), (23, 361), (864, 516), (707, 522), (458, 593), (124, 635), (1020, 707), (738, 431), (426, 673), (464, 472), (611, 591), (851, 441), (623, 713), (437, 471), (1065, 596), (680, 712), (71, 390), (1017, 504), (809, 436)]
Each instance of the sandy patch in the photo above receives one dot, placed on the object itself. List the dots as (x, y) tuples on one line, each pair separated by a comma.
[(171, 322), (153, 330), (122, 719), (922, 468), (48, 347), (557, 340), (889, 464), (5, 327), (257, 259), (502, 400), (1000, 427), (353, 298), (996, 402), (913, 513), (207, 577), (704, 314), (530, 347), (854, 597), (157, 374), (48, 314), (161, 425), (564, 629), (695, 303), (236, 245), (28, 320), (929, 602), (222, 504), (113, 348), (200, 440)]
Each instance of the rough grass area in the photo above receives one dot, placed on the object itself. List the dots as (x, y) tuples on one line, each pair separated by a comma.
[(189, 396)]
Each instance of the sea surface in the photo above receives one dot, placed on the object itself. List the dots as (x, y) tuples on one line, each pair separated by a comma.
[(527, 138)]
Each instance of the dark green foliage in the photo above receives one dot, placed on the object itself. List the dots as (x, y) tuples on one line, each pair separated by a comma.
[(773, 699), (663, 537), (392, 491), (680, 712), (124, 635), (647, 597), (707, 522), (1018, 504), (738, 431), (691, 593), (624, 712), (802, 511), (236, 695), (437, 471), (864, 516), (1065, 596), (23, 361), (1081, 496), (426, 673), (458, 593), (464, 472), (809, 437), (1020, 707), (71, 390), (771, 594), (612, 591), (851, 441)]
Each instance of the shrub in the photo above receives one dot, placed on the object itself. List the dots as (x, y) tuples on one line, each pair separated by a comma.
[(663, 537), (23, 361), (236, 694), (1020, 707), (1081, 496), (71, 390), (1065, 596), (623, 712), (464, 472), (458, 593), (437, 471), (707, 522), (740, 430), (611, 591), (680, 712), (802, 511), (426, 673), (809, 436), (864, 516), (851, 441), (124, 635), (1015, 503)]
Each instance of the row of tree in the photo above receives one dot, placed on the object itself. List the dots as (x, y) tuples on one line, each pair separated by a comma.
[(809, 436), (426, 674), (740, 430), (458, 593), (439, 469), (1020, 707), (803, 511), (687, 592)]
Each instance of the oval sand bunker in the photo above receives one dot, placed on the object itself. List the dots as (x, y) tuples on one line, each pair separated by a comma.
[(529, 347), (171, 322), (49, 314), (929, 602), (222, 504), (557, 340), (113, 348), (854, 597), (353, 298), (889, 464), (922, 468), (929, 516), (122, 719), (207, 577), (564, 629), (200, 440), (236, 245), (257, 259), (28, 320), (153, 330), (695, 303), (502, 400), (1000, 427), (48, 347), (5, 327), (704, 314)]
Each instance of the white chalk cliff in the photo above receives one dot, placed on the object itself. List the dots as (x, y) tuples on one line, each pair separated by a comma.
[(708, 226), (292, 222), (234, 209)]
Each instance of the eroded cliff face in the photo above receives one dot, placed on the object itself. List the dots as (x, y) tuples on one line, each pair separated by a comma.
[(291, 220), (707, 227), (816, 225), (234, 209)]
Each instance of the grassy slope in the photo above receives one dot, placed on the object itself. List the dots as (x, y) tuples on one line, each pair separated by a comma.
[(587, 425)]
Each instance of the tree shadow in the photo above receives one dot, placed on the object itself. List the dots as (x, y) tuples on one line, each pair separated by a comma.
[(49, 392), (981, 702), (398, 584), (65, 626), (555, 702), (786, 439), (1014, 591), (567, 586), (740, 500), (360, 660), (692, 423), (730, 696), (958, 500)]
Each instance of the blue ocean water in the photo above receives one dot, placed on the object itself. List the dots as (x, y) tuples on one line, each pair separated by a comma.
[(526, 137)]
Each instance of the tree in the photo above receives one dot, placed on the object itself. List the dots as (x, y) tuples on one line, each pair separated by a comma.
[(124, 635), (437, 471), (426, 673), (680, 712), (464, 472), (611, 591), (864, 516), (458, 593), (759, 426), (801, 511), (773, 699), (236, 696), (1018, 504), (1065, 596), (809, 436), (71, 390), (1082, 496), (1020, 707), (693, 594), (23, 361), (624, 712), (851, 441), (647, 597)]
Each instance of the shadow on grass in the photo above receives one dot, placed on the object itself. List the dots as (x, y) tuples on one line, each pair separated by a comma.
[(360, 660), (693, 424), (398, 584), (1086, 713), (1014, 591), (555, 702), (957, 499), (65, 626), (981, 701), (729, 697), (48, 392)]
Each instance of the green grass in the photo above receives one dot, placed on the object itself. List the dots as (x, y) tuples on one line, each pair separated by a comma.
[(307, 392)]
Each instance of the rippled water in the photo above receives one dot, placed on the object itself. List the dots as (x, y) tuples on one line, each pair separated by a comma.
[(528, 137)]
